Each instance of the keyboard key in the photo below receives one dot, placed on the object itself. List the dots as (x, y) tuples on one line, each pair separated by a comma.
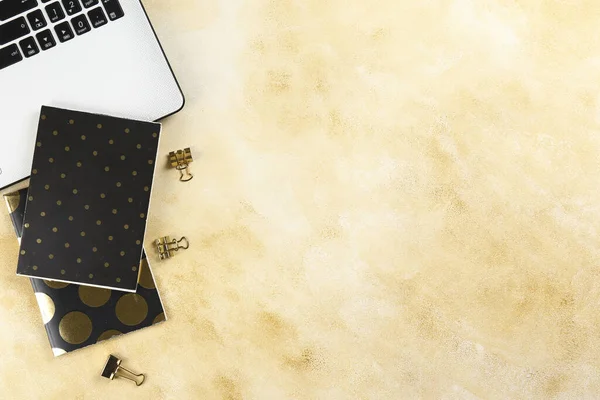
[(9, 55), (36, 20), (97, 17), (12, 8), (113, 9), (64, 32), (55, 12), (89, 3), (45, 39), (81, 24), (13, 30), (72, 6), (29, 47)]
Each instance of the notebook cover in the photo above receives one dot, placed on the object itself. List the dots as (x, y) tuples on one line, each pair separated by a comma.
[(77, 316), (89, 194)]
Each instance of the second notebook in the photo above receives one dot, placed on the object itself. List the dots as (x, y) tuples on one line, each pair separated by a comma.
[(88, 199)]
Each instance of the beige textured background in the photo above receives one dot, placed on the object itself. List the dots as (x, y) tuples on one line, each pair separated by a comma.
[(393, 199)]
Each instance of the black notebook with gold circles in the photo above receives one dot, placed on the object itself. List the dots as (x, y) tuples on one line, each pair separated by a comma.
[(89, 194), (77, 316)]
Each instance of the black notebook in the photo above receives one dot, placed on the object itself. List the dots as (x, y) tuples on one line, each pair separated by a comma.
[(88, 199), (77, 316)]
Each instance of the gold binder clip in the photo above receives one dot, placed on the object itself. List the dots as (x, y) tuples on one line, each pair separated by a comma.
[(166, 246), (113, 369), (181, 160)]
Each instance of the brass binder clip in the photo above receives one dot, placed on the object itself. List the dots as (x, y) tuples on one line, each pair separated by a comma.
[(181, 160), (166, 246), (113, 369)]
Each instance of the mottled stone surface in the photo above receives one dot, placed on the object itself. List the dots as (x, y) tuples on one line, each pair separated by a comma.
[(393, 199)]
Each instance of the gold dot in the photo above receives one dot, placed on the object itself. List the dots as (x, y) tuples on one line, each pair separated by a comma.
[(78, 260), (58, 202), (118, 184), (155, 135), (139, 146), (108, 334), (106, 265), (159, 318), (130, 200), (35, 267), (95, 153), (46, 187), (55, 133), (34, 171), (82, 233), (67, 245), (82, 137), (39, 240), (126, 226), (118, 280), (22, 252), (150, 162), (142, 215), (51, 256), (107, 169), (79, 164), (74, 191), (55, 229), (43, 116), (127, 130), (122, 157), (122, 253), (98, 222), (62, 272), (102, 195), (111, 141), (46, 304), (110, 238), (70, 218), (114, 210), (87, 206), (39, 144), (99, 126), (27, 225), (67, 148), (75, 327), (91, 276), (55, 284), (93, 296), (146, 188), (138, 242), (51, 160), (134, 268), (30, 198), (71, 121), (134, 173), (131, 309), (43, 214), (94, 249), (63, 176)]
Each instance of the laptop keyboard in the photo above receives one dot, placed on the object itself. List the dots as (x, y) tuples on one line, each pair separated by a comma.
[(22, 22)]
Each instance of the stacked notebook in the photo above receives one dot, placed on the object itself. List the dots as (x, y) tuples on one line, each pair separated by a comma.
[(81, 224)]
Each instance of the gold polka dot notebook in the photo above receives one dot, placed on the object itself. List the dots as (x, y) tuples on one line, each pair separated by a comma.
[(89, 193), (76, 316)]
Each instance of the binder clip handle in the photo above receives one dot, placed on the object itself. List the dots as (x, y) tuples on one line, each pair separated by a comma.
[(181, 160), (113, 369), (166, 246)]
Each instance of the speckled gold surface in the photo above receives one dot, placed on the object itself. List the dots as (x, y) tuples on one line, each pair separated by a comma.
[(392, 199)]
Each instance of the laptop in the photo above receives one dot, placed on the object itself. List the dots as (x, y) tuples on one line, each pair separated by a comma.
[(99, 56)]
